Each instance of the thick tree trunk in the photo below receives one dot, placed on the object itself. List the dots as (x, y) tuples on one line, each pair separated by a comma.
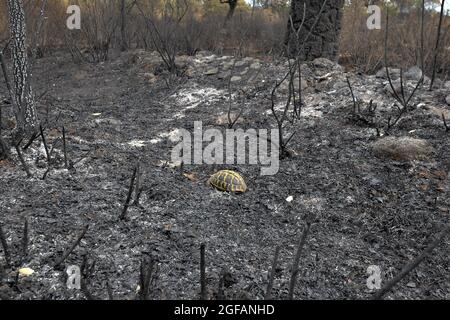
[(22, 95), (324, 38)]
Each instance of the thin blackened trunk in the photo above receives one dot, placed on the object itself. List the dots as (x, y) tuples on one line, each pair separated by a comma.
[(123, 21), (321, 40), (23, 97)]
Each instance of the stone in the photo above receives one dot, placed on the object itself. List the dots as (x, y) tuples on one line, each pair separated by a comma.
[(447, 84), (438, 111), (397, 86), (212, 71), (244, 72), (240, 63), (284, 87), (413, 73), (323, 63), (235, 79), (402, 148), (393, 72), (224, 75), (255, 66), (150, 77)]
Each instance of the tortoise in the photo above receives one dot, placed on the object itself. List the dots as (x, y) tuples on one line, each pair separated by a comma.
[(228, 180)]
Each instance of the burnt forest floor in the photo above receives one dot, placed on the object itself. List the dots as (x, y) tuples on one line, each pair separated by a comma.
[(366, 210)]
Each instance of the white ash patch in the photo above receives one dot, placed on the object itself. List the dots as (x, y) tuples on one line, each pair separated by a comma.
[(192, 98), (306, 112), (137, 143), (315, 204)]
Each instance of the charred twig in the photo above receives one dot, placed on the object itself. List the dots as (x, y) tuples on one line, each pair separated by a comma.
[(436, 48), (295, 270), (71, 248), (400, 97), (138, 191), (64, 148), (412, 265), (272, 274), (22, 160), (355, 103), (45, 143), (25, 240), (202, 272), (147, 270), (130, 192), (447, 128), (36, 46), (109, 290), (5, 247), (34, 136), (220, 291), (87, 269)]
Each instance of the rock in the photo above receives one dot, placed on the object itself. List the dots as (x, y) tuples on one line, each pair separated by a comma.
[(212, 71), (240, 63), (150, 77), (244, 72), (323, 63), (411, 285), (402, 148), (224, 75), (393, 72), (228, 65), (235, 79), (255, 66), (397, 86), (447, 99), (447, 84), (284, 87), (374, 182), (79, 75), (413, 73)]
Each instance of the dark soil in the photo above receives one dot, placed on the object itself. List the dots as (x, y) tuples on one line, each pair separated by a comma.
[(366, 210)]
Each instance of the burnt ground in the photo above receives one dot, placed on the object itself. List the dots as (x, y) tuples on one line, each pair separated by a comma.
[(367, 210)]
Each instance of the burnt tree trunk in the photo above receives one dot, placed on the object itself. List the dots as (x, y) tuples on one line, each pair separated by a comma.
[(22, 93), (123, 21), (324, 37), (232, 4)]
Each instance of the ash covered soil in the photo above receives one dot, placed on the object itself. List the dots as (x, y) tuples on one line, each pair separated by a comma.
[(370, 205)]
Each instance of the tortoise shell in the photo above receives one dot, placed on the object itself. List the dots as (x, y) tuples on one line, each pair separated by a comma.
[(227, 180)]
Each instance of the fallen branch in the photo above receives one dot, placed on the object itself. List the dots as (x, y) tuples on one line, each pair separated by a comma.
[(130, 192), (5, 247), (272, 273), (64, 147), (447, 128), (45, 143), (72, 247), (202, 272), (295, 270), (86, 272), (22, 160), (411, 265), (25, 240), (147, 270)]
